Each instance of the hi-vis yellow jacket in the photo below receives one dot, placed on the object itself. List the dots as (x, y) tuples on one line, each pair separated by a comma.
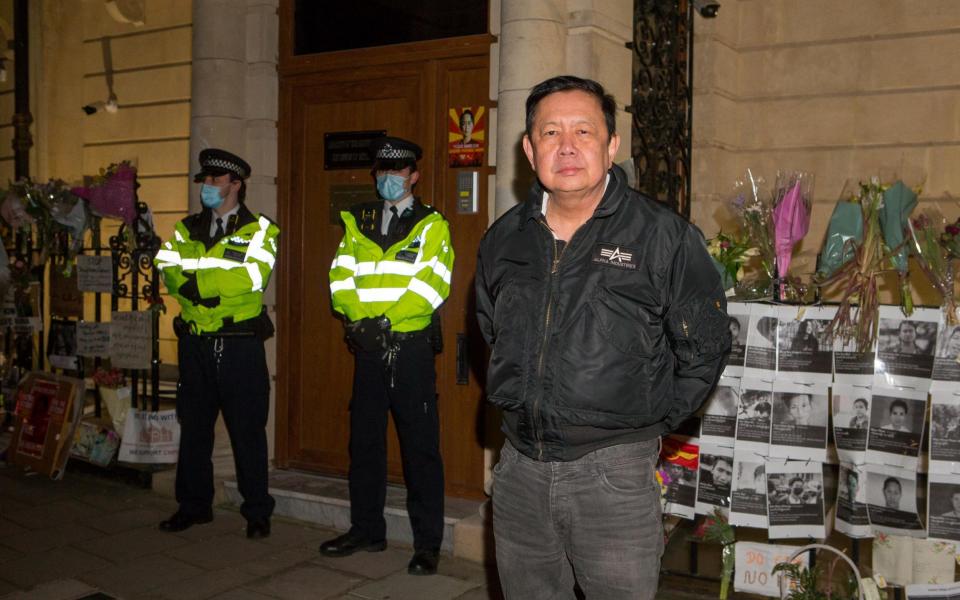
[(406, 282), (236, 269)]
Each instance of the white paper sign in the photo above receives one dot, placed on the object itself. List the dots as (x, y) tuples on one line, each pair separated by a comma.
[(131, 339), (950, 591), (150, 437), (95, 274), (755, 564), (93, 339)]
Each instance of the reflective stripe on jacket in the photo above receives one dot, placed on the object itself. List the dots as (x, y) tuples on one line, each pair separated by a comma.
[(406, 282), (236, 269)]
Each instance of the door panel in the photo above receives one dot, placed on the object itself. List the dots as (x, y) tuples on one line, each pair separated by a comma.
[(315, 369)]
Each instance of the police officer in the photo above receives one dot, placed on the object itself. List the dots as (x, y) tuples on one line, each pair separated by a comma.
[(390, 274), (217, 265)]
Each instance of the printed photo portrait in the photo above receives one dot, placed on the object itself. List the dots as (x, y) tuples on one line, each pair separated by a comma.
[(800, 409), (907, 337), (944, 513), (946, 368), (738, 337), (766, 330), (795, 488), (723, 402), (892, 500), (906, 347), (948, 343), (945, 428), (62, 344), (716, 477), (897, 414), (852, 412)]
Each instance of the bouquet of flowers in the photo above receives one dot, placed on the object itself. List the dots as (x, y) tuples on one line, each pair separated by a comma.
[(792, 198), (898, 202), (716, 528), (113, 192), (934, 258), (753, 208), (858, 278), (950, 238), (109, 378), (729, 253)]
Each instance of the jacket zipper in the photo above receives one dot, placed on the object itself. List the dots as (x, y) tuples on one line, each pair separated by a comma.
[(557, 253)]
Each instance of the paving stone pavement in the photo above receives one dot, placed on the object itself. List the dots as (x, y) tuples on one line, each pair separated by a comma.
[(91, 537)]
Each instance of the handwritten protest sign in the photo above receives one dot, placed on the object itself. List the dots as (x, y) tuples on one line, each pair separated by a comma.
[(755, 564), (93, 339), (131, 339), (95, 273)]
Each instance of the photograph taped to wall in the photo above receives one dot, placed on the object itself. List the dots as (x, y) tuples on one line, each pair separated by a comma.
[(945, 432), (718, 425), (943, 507), (946, 360), (62, 344), (680, 460), (760, 358), (851, 518), (754, 416), (892, 501), (795, 500), (804, 350), (850, 365), (896, 427), (905, 347), (798, 430), (748, 496), (851, 421), (739, 314), (715, 478)]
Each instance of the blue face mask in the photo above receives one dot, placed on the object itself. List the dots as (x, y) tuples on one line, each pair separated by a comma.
[(391, 187), (210, 196)]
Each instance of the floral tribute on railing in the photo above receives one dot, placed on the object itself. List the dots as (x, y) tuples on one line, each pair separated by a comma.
[(869, 235)]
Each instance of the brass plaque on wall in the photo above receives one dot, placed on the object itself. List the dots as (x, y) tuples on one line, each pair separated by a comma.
[(343, 196)]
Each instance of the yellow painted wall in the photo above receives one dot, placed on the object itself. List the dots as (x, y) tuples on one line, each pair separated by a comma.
[(844, 89)]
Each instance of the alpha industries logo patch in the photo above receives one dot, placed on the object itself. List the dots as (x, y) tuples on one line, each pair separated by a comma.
[(612, 255)]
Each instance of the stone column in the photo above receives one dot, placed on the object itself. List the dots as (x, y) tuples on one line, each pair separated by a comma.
[(219, 71)]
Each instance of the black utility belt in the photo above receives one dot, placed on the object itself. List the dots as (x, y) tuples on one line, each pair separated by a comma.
[(409, 335), (229, 329)]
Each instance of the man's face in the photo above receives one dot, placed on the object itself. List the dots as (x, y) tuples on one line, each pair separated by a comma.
[(409, 179), (860, 408), (852, 485), (908, 333), (891, 495), (796, 487), (569, 146), (897, 416), (955, 501), (800, 408), (722, 473), (734, 329)]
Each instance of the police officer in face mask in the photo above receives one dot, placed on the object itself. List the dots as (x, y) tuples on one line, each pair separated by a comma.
[(217, 266), (390, 274)]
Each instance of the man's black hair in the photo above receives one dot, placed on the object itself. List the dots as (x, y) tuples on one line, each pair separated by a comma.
[(567, 83), (863, 400), (899, 403), (717, 459), (889, 480), (796, 478), (242, 193)]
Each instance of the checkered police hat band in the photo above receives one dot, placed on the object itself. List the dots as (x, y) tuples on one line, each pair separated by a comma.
[(388, 152), (219, 163)]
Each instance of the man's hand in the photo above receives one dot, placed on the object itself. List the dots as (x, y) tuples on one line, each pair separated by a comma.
[(191, 292), (369, 335)]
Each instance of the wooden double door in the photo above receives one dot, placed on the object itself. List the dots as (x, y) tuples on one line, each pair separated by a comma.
[(408, 95)]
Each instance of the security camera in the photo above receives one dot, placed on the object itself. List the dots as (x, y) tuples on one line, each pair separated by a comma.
[(110, 105), (708, 9)]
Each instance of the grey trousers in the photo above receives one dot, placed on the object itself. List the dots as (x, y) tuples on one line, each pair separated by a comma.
[(595, 520)]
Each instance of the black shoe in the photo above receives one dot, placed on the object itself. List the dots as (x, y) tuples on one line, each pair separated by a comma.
[(348, 543), (258, 528), (424, 562), (181, 520)]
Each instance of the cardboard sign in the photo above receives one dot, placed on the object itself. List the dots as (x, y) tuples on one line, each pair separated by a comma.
[(755, 564), (131, 339), (49, 407), (95, 274), (66, 300)]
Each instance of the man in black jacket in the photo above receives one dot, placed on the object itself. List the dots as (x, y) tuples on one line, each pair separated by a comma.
[(607, 326)]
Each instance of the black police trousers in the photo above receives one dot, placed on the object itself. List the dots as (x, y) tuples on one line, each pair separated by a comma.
[(413, 404), (226, 374)]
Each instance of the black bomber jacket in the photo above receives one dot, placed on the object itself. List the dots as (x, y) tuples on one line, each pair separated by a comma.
[(618, 335)]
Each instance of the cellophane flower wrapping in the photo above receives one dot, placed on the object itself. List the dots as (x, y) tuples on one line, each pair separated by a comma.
[(844, 233), (792, 201), (750, 202), (898, 202), (933, 257), (113, 193)]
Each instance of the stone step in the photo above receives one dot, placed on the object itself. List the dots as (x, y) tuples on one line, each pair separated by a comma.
[(325, 501)]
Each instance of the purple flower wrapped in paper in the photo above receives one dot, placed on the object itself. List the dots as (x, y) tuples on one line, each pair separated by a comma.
[(113, 193), (791, 216), (934, 257)]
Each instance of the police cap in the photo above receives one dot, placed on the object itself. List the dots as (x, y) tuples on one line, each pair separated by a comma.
[(392, 153), (216, 162)]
